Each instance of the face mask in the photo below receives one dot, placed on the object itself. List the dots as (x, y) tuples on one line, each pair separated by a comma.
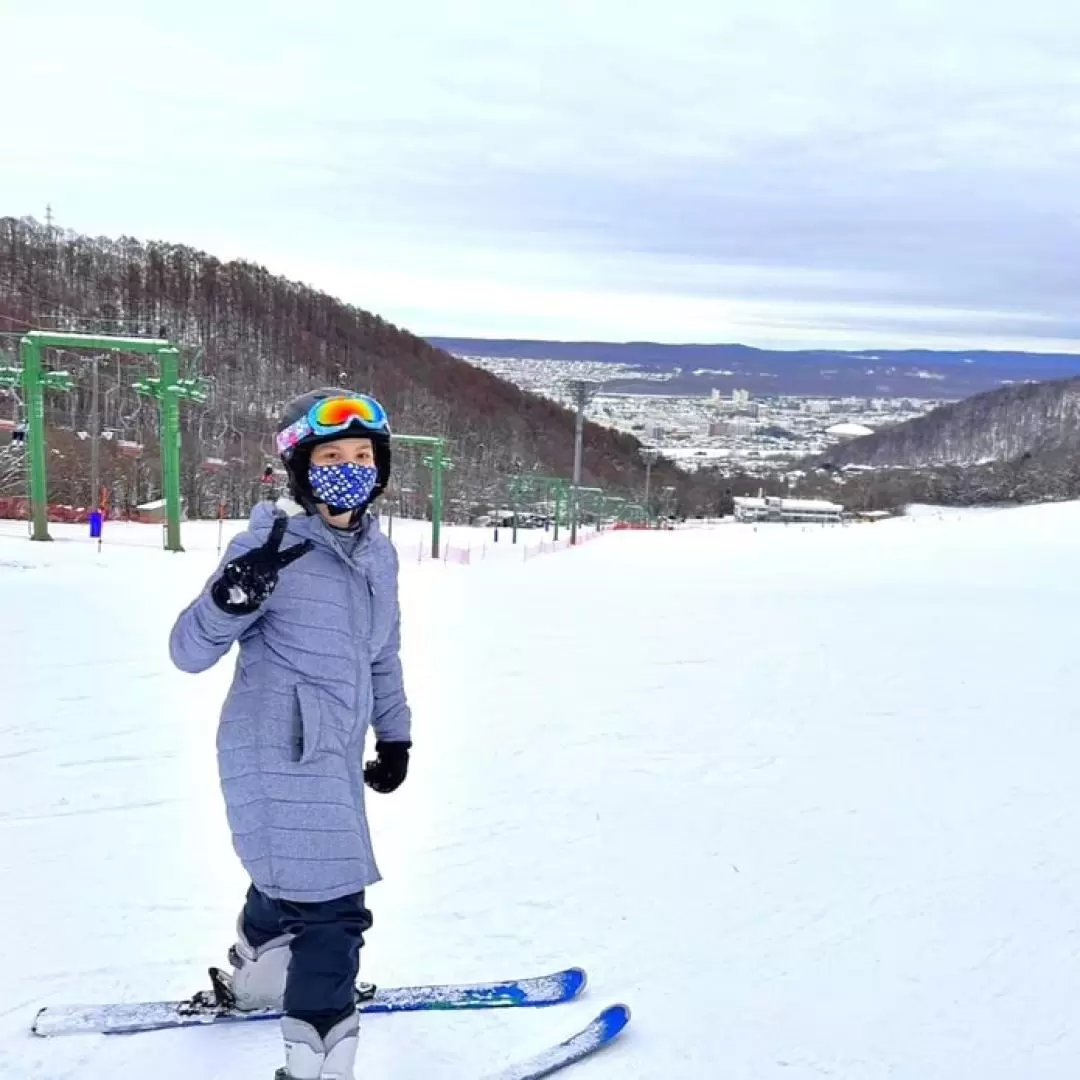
[(347, 486)]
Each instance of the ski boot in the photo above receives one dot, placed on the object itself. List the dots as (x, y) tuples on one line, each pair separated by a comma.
[(310, 1057), (257, 980)]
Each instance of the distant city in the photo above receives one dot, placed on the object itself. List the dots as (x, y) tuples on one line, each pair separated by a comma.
[(755, 433)]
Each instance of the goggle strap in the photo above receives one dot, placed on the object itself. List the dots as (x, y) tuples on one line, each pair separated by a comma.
[(308, 424)]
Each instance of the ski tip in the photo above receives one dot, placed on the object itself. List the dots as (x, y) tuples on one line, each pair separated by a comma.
[(576, 978), (613, 1019)]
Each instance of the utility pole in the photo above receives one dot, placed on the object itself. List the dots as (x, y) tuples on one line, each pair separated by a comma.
[(649, 456), (583, 392)]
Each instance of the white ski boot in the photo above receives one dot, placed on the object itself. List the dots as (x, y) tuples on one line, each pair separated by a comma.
[(309, 1057), (258, 975)]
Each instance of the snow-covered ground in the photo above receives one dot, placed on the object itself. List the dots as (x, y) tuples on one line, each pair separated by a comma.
[(804, 797)]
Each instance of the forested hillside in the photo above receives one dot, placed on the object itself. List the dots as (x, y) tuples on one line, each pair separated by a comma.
[(1016, 444), (1000, 425), (261, 339)]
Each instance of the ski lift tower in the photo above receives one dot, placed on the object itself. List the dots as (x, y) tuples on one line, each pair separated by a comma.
[(582, 392), (650, 456), (436, 460), (167, 387)]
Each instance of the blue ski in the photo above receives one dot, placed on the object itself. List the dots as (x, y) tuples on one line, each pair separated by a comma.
[(126, 1019), (603, 1030)]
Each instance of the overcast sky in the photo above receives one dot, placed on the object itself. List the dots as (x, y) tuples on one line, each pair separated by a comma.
[(778, 172)]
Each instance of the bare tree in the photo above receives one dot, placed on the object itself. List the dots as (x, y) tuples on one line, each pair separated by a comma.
[(264, 339), (12, 469)]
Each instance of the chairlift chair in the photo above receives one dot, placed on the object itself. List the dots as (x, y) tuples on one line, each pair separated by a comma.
[(215, 462)]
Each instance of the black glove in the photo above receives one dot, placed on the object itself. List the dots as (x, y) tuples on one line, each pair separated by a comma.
[(387, 772), (246, 582)]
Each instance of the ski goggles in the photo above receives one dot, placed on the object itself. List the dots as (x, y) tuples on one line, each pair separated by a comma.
[(332, 416)]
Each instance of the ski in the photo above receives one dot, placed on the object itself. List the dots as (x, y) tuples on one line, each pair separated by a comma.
[(602, 1031), (202, 1008)]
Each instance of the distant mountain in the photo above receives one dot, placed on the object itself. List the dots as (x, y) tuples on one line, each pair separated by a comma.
[(699, 369), (1001, 425), (1017, 444)]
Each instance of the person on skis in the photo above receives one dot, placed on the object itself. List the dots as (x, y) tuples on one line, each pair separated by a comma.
[(318, 625)]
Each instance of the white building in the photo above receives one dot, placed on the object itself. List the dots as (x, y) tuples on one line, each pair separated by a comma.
[(849, 431), (736, 427), (772, 508)]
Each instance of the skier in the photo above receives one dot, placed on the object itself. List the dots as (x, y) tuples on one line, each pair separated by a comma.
[(318, 626)]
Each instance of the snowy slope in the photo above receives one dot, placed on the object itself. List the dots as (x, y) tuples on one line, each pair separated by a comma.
[(804, 797)]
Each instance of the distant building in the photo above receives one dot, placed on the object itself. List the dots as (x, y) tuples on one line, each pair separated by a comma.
[(849, 431), (153, 513), (787, 511), (737, 426)]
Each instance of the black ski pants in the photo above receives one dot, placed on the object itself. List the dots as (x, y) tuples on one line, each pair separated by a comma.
[(325, 951)]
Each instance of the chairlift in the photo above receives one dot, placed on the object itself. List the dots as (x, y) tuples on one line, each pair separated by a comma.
[(214, 462), (129, 448), (230, 449)]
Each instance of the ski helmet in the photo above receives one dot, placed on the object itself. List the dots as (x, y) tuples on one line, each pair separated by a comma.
[(322, 416)]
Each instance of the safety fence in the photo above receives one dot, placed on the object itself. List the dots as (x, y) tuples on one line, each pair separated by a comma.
[(467, 554), (462, 555), (17, 508), (451, 551), (548, 547)]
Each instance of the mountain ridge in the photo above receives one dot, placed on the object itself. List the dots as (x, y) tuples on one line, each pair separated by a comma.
[(999, 425), (942, 374)]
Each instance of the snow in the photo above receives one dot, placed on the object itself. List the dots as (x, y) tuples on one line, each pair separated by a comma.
[(804, 798)]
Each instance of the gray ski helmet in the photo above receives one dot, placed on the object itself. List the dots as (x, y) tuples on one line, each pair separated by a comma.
[(297, 457)]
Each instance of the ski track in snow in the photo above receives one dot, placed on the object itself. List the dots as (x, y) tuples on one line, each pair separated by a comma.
[(803, 797)]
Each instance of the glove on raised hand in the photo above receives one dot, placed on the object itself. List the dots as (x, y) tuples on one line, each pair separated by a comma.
[(247, 581)]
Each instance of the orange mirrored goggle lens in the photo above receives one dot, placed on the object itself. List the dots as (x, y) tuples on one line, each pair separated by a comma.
[(335, 413)]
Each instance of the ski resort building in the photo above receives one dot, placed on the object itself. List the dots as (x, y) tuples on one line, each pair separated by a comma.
[(789, 511)]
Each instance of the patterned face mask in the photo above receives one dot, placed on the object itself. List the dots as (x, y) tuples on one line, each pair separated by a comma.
[(348, 486)]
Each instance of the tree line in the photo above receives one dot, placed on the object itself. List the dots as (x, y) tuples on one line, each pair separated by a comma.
[(260, 339)]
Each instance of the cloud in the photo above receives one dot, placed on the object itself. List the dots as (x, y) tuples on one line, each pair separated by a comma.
[(836, 172)]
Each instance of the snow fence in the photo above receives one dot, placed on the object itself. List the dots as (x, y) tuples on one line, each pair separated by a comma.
[(466, 554)]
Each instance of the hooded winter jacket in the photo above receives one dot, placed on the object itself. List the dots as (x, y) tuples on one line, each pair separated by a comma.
[(318, 664)]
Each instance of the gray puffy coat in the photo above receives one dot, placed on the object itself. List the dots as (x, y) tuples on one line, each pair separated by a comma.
[(317, 664)]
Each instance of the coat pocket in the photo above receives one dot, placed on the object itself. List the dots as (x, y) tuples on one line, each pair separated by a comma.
[(310, 722)]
